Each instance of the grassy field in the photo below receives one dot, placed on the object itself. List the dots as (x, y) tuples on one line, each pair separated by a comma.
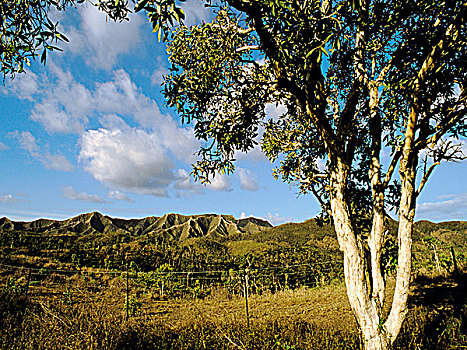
[(83, 315), (66, 285)]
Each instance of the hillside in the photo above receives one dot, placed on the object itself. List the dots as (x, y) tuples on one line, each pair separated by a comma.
[(204, 242), (170, 226)]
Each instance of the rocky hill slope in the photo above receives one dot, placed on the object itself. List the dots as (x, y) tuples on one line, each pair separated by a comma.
[(170, 226)]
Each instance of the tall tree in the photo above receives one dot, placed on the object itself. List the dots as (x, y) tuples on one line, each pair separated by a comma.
[(374, 88), (358, 79)]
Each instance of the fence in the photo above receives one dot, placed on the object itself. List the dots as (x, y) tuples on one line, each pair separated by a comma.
[(144, 293), (141, 294)]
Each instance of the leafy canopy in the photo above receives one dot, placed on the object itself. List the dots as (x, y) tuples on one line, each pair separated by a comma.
[(347, 72), (348, 78)]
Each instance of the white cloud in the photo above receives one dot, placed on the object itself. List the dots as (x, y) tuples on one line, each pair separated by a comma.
[(3, 147), (274, 111), (23, 85), (450, 207), (29, 143), (256, 154), (70, 193), (276, 219), (120, 196), (101, 41), (220, 183), (195, 12), (247, 180), (157, 76), (131, 160), (185, 185), (8, 199), (65, 104), (321, 164), (121, 96)]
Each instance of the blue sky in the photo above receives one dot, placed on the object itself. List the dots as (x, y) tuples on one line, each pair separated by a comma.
[(89, 132)]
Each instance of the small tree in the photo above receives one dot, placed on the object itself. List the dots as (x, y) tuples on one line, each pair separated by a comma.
[(357, 79)]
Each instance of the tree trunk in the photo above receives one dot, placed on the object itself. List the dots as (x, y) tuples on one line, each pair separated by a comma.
[(375, 240), (407, 172), (399, 305), (358, 291)]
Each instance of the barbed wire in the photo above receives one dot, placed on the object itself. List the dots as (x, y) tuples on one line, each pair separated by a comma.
[(43, 270)]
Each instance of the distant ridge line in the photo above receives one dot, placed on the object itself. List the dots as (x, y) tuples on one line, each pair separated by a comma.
[(171, 226)]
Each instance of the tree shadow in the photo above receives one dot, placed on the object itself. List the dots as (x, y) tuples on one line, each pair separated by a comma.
[(438, 313)]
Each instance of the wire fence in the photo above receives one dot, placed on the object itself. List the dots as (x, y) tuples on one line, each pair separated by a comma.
[(140, 293)]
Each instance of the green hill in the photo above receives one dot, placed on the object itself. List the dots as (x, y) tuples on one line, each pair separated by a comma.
[(200, 242)]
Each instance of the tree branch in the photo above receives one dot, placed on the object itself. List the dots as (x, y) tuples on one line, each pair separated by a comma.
[(455, 115), (391, 168), (425, 178)]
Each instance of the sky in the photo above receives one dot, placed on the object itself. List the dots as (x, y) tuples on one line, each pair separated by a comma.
[(90, 132)]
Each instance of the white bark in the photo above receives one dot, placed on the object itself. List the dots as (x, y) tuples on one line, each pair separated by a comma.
[(407, 171), (358, 293)]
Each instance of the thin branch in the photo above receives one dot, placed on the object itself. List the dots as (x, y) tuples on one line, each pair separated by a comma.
[(437, 50), (391, 168), (320, 199), (394, 58), (454, 116), (425, 178), (349, 109), (247, 47)]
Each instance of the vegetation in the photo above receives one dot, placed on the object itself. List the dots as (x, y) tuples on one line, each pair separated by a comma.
[(64, 284), (357, 78), (83, 317)]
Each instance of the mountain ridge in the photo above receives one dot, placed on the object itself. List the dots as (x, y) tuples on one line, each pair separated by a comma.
[(171, 226)]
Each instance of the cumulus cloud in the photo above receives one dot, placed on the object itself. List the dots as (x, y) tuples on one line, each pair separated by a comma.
[(220, 183), (3, 147), (275, 111), (29, 143), (64, 104), (276, 219), (8, 199), (70, 193), (247, 180), (119, 196), (256, 154), (131, 160), (448, 207), (23, 85), (185, 185), (157, 77), (101, 41), (195, 12)]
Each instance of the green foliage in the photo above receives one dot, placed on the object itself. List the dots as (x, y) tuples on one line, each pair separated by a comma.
[(26, 30)]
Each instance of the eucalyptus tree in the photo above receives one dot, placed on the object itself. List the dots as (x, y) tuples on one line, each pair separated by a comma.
[(374, 89)]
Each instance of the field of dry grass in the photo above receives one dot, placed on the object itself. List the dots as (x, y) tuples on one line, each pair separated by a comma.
[(89, 313)]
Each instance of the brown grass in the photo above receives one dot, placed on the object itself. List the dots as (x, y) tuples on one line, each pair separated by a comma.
[(87, 313)]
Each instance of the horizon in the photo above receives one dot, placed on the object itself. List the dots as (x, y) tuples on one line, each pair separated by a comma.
[(202, 214), (90, 132)]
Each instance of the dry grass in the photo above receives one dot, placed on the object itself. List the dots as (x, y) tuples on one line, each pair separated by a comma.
[(78, 313)]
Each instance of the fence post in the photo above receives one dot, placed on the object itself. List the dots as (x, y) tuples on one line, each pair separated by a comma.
[(454, 261), (28, 281), (246, 299), (127, 294)]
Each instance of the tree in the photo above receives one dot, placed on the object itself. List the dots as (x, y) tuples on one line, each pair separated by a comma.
[(358, 79), (27, 31)]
